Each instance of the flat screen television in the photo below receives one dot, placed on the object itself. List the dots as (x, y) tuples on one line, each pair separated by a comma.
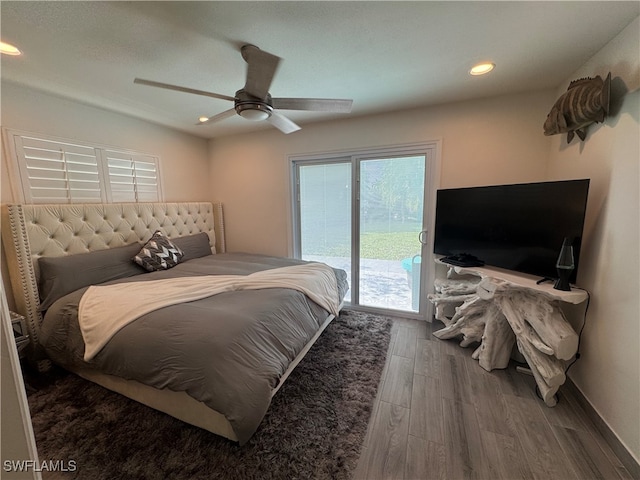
[(519, 227)]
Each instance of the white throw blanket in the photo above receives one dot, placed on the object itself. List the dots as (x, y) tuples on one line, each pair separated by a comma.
[(104, 310)]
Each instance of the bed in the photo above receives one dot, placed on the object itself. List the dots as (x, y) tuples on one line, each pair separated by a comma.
[(213, 360)]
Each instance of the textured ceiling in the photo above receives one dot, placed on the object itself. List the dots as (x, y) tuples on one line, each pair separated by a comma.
[(384, 55)]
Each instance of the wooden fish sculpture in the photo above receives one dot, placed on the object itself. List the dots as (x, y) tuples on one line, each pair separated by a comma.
[(586, 101)]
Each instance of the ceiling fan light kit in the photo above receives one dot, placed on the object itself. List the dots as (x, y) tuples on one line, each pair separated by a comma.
[(253, 102), (252, 108)]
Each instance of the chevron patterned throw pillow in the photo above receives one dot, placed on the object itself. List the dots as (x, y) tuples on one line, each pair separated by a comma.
[(159, 253)]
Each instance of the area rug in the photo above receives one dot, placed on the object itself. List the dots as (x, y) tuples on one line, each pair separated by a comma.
[(314, 428)]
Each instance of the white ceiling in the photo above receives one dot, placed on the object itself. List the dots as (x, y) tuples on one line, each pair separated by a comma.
[(384, 55)]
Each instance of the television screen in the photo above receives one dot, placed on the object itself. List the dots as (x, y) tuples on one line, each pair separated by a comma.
[(518, 227)]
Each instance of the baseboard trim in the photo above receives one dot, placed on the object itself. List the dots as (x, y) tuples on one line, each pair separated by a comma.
[(625, 457)]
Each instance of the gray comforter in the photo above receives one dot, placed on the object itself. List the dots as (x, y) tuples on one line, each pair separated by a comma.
[(227, 351)]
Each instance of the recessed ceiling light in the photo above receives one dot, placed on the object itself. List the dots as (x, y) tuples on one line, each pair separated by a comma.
[(203, 119), (482, 68), (9, 49)]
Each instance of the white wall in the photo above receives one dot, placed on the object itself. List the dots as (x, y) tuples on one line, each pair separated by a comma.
[(489, 141), (608, 373)]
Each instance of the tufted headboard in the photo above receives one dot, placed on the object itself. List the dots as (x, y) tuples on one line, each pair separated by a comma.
[(33, 231)]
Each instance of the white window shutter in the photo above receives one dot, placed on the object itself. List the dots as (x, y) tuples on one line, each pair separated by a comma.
[(60, 171), (132, 177)]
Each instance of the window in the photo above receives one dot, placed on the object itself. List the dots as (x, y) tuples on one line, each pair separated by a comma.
[(54, 170)]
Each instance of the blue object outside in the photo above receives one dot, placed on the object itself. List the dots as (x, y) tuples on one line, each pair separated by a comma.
[(413, 278), (407, 263)]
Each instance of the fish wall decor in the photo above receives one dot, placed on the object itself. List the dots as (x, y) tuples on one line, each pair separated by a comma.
[(586, 101)]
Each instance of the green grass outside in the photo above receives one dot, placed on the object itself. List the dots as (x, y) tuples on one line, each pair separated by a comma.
[(389, 246), (378, 245)]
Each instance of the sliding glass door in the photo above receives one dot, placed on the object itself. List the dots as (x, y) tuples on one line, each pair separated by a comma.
[(367, 214), (390, 215)]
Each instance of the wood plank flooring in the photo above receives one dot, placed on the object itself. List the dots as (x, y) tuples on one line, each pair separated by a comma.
[(439, 415)]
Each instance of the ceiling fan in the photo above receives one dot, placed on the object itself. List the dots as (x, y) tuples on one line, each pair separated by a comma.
[(254, 102)]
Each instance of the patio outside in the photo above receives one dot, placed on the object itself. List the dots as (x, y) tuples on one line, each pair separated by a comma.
[(383, 283)]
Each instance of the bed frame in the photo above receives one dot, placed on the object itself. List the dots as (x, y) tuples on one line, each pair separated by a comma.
[(33, 231)]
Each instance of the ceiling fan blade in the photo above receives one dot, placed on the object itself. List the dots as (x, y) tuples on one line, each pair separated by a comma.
[(262, 67), (282, 123), (317, 104), (178, 88), (219, 116)]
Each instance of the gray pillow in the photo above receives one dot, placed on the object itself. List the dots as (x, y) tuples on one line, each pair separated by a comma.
[(193, 246), (60, 276)]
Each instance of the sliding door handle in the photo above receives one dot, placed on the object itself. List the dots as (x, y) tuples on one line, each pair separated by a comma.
[(422, 237)]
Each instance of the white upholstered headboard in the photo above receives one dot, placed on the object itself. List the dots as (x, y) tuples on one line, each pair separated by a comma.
[(33, 231)]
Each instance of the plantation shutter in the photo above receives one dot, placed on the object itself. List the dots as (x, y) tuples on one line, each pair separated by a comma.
[(58, 172), (53, 170), (132, 177)]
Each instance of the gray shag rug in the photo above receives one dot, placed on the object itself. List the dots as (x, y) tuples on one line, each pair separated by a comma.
[(314, 428)]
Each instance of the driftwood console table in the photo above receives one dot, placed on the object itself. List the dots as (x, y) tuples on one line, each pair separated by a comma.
[(497, 308)]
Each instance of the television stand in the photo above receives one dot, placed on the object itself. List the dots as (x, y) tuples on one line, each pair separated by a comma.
[(499, 308)]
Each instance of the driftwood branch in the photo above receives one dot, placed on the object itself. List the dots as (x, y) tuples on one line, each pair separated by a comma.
[(468, 321), (497, 340)]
